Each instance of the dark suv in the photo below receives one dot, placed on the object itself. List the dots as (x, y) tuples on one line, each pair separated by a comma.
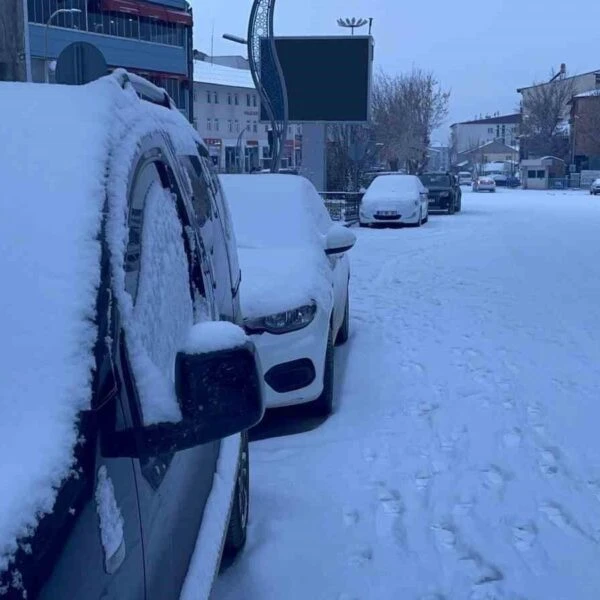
[(444, 191), (128, 386)]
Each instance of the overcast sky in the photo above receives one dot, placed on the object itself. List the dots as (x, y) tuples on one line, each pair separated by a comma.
[(480, 50)]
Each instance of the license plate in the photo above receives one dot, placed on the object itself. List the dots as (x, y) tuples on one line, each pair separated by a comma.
[(387, 213)]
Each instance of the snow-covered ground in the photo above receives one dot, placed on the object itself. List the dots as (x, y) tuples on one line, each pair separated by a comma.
[(463, 460)]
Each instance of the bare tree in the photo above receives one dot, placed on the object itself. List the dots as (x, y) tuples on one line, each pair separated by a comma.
[(406, 110), (349, 151), (545, 112)]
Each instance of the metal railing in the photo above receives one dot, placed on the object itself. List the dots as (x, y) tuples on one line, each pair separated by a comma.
[(343, 206)]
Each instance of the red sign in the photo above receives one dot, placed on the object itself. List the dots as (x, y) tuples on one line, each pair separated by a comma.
[(161, 13), (252, 143)]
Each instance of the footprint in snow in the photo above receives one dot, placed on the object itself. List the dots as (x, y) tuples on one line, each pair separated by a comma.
[(494, 478), (512, 439), (351, 516), (557, 515), (524, 536), (548, 461), (369, 455), (445, 536), (390, 501), (360, 556)]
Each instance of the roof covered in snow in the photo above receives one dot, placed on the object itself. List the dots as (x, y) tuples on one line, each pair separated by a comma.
[(500, 119), (206, 72)]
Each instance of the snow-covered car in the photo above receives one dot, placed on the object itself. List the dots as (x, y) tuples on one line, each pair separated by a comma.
[(295, 277), (465, 178), (484, 184), (124, 396), (595, 187), (395, 200)]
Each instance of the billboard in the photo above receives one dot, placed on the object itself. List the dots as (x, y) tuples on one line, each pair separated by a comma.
[(328, 79)]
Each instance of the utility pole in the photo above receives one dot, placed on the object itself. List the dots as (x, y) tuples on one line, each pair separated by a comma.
[(13, 46)]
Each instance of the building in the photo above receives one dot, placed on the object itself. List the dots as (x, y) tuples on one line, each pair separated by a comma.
[(491, 152), (469, 135), (585, 130), (542, 173), (151, 38), (227, 116), (439, 158)]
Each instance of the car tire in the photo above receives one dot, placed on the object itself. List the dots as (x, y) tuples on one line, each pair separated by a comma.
[(420, 221), (344, 332), (459, 207), (451, 209), (238, 520), (426, 217), (323, 405)]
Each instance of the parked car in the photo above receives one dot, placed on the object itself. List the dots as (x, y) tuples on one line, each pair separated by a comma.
[(465, 178), (444, 191), (595, 187), (512, 181), (121, 381), (295, 277), (500, 179), (484, 184), (395, 200)]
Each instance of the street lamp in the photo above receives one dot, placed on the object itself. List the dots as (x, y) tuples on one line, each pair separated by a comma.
[(54, 14), (352, 23)]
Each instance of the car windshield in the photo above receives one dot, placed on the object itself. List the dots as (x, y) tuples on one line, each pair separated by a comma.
[(435, 180), (268, 211), (394, 184)]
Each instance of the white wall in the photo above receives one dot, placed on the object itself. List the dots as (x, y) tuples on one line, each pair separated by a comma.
[(469, 136)]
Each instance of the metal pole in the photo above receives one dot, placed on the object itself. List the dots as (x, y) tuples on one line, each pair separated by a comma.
[(26, 39), (56, 12)]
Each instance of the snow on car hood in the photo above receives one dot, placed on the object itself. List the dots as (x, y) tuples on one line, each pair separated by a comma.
[(52, 168), (279, 279)]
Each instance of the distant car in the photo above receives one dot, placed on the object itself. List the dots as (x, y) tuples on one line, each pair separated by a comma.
[(595, 187), (395, 200), (465, 178), (444, 191), (484, 184), (500, 179), (112, 447), (295, 277), (512, 181)]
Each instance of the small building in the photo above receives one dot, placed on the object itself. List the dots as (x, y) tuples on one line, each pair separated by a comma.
[(491, 152), (541, 173), (227, 116)]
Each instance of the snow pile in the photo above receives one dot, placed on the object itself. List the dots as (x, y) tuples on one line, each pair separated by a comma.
[(111, 520), (280, 224), (52, 168), (207, 554), (463, 459), (213, 336)]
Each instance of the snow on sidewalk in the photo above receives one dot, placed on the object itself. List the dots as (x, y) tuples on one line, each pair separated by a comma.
[(463, 460)]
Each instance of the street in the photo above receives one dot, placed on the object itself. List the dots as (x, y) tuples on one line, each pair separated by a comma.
[(462, 458)]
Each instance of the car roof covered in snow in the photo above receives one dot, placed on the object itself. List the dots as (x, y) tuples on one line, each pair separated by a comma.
[(53, 163), (273, 210), (394, 184)]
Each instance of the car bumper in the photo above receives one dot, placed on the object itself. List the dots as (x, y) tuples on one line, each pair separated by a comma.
[(485, 188), (408, 218), (437, 203), (293, 363)]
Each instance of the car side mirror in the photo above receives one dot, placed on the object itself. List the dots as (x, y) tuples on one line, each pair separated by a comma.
[(339, 239), (219, 390)]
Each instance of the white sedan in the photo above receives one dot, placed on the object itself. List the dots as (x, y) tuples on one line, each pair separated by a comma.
[(484, 184), (395, 200), (295, 276)]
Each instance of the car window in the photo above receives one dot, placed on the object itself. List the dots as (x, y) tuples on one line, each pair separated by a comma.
[(158, 281), (201, 195)]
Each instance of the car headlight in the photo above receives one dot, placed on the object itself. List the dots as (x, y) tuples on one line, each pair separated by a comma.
[(283, 322)]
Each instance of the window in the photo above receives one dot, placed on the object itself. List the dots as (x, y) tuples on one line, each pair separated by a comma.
[(508, 157), (216, 124), (247, 125), (229, 98), (491, 130), (541, 174), (248, 103), (200, 191), (208, 97), (230, 125), (237, 126), (530, 174), (254, 100), (209, 124), (254, 127), (236, 99), (216, 98)]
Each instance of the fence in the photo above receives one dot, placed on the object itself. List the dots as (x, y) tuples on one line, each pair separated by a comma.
[(343, 206)]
